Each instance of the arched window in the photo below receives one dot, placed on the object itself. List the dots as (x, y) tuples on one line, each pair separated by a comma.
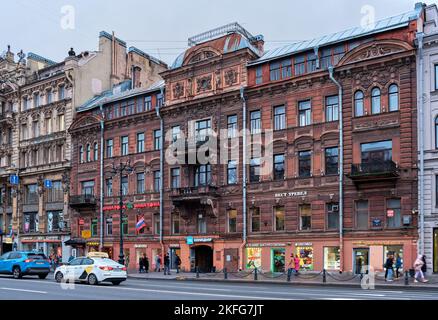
[(88, 153), (81, 154), (375, 101), (393, 97), (358, 104), (96, 152), (436, 132)]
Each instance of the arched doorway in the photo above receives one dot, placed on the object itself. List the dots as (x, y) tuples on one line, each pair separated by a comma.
[(203, 258)]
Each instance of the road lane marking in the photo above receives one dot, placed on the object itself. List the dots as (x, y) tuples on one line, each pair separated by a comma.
[(24, 290)]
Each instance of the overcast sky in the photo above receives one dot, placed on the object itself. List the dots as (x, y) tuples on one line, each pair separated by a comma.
[(162, 27)]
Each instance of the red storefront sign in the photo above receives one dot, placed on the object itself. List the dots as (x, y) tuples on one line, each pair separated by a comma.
[(136, 206), (390, 213), (81, 222)]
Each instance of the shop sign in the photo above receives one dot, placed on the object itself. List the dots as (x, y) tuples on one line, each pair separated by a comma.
[(7, 240), (41, 238), (376, 243), (303, 244), (390, 213), (202, 240), (93, 244), (86, 234), (135, 206), (291, 194), (81, 221), (174, 246), (189, 240), (138, 246), (258, 245)]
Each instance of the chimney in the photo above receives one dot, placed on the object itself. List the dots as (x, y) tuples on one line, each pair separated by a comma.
[(259, 42)]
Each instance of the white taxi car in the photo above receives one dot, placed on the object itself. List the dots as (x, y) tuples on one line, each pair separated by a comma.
[(95, 268)]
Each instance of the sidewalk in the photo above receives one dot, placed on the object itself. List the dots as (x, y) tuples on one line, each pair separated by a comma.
[(313, 279)]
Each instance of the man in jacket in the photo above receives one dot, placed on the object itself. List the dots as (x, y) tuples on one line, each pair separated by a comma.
[(166, 264), (389, 267)]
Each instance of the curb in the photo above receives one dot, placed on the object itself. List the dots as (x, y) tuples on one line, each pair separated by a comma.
[(316, 284)]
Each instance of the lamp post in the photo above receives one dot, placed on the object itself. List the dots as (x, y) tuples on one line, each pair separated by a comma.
[(120, 170)]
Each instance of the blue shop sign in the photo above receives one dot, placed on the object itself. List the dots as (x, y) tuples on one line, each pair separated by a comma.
[(190, 240), (13, 179)]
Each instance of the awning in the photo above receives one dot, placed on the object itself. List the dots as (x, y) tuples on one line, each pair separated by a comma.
[(75, 242)]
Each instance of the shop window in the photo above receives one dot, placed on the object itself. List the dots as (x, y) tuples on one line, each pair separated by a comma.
[(393, 98), (304, 163), (331, 108), (175, 223), (94, 231), (333, 216), (109, 226), (232, 172), (435, 250), (253, 258), (279, 167), (279, 215), (232, 221), (255, 219), (278, 260), (256, 122), (393, 213), (254, 170), (332, 258), (358, 104), (280, 118), (331, 161), (362, 216), (305, 217), (375, 101), (305, 253), (31, 222), (109, 148), (305, 113)]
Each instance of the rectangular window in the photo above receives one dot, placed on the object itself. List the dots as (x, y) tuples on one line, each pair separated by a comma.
[(157, 181), (280, 118), (256, 122), (31, 196), (326, 58), (299, 65), (202, 223), (30, 223), (175, 174), (175, 223), (232, 126), (362, 219), (331, 160), (140, 183), (332, 216), (274, 71), (109, 187), (36, 100), (279, 215), (338, 54), (61, 122), (202, 130), (259, 75), (157, 139), (254, 170), (140, 105), (55, 194), (109, 226), (311, 62), (109, 148), (279, 167), (125, 185), (232, 221), (305, 163), (176, 133), (376, 151), (393, 213), (87, 188), (49, 96), (148, 103), (203, 175), (94, 228), (123, 109), (125, 226), (131, 106), (305, 113), (156, 224), (140, 142), (232, 172), (255, 219), (305, 217), (61, 93), (124, 141), (331, 108), (286, 68)]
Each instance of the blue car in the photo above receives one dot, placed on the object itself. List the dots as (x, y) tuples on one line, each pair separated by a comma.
[(20, 263)]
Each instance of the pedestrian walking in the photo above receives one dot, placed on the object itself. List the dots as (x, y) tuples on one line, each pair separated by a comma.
[(389, 268), (166, 264), (291, 265), (140, 265), (418, 265), (424, 267), (157, 263), (297, 264), (398, 266), (178, 263)]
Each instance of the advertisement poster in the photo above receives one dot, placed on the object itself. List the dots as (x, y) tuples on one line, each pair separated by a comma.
[(306, 257), (254, 258)]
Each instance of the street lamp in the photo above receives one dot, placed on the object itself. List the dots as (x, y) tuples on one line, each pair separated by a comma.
[(120, 170)]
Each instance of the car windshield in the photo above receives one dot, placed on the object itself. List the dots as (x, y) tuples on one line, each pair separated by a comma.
[(105, 261), (36, 256)]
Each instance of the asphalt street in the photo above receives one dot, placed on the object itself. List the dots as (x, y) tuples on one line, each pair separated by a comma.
[(34, 289)]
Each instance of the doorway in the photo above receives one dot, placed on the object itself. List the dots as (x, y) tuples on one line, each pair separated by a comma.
[(203, 258), (361, 260), (173, 253), (278, 260), (231, 262)]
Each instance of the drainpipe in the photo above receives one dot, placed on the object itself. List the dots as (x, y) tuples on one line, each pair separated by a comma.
[(244, 196), (102, 222), (341, 171), (161, 173), (420, 36)]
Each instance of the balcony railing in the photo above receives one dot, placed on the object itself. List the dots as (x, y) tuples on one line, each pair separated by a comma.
[(375, 168), (85, 200), (194, 192)]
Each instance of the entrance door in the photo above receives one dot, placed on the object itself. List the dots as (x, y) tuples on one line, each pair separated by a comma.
[(173, 253), (361, 259), (204, 258), (231, 262)]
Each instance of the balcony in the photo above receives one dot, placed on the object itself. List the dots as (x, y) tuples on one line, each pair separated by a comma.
[(83, 201), (193, 193), (191, 199), (375, 171)]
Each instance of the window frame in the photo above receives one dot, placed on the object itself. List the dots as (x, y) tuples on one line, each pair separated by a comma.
[(358, 100), (277, 176), (142, 189), (376, 98), (229, 220), (277, 210), (301, 215), (327, 158), (301, 159), (305, 113), (124, 146), (392, 94), (356, 212), (331, 109), (140, 142), (279, 117)]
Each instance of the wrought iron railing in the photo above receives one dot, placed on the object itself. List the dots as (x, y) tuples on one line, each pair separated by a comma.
[(374, 167)]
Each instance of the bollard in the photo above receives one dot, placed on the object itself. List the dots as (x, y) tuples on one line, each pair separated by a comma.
[(225, 274), (197, 272), (255, 274), (324, 276), (406, 278), (289, 271)]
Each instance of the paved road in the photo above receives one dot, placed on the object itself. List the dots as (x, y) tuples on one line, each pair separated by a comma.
[(35, 289)]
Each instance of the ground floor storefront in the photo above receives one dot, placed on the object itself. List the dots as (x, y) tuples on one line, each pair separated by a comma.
[(49, 244)]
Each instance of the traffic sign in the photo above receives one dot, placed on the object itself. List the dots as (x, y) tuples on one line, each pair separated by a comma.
[(14, 179), (48, 184)]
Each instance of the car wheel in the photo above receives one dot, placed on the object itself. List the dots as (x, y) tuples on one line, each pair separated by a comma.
[(59, 276), (43, 276), (16, 272), (116, 283), (92, 279)]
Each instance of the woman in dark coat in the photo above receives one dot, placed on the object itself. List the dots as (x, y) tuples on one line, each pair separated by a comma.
[(424, 267)]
